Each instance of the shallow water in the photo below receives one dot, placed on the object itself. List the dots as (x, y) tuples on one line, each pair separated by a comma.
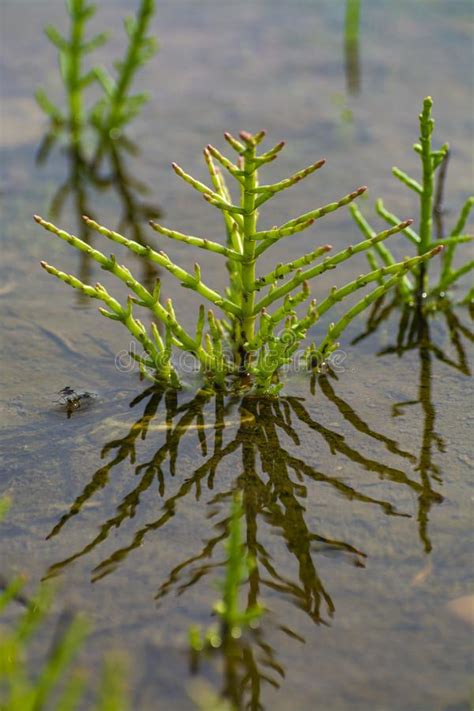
[(358, 507)]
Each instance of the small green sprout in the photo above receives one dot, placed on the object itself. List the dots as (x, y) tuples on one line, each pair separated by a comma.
[(239, 565)]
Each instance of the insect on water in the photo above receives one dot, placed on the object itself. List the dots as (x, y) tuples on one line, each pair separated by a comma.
[(73, 400)]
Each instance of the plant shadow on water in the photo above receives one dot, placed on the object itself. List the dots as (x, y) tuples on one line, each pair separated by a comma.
[(273, 481)]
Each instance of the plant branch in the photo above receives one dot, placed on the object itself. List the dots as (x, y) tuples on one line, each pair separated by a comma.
[(328, 263)]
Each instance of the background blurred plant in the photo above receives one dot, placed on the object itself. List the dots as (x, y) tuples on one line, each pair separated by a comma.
[(117, 106), (206, 698), (53, 685), (351, 46), (97, 149), (417, 283), (71, 53), (256, 347)]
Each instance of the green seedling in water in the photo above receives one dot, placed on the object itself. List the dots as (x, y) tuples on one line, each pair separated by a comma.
[(258, 330), (237, 569), (416, 284)]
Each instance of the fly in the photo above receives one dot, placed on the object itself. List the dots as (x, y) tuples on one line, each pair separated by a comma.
[(73, 400)]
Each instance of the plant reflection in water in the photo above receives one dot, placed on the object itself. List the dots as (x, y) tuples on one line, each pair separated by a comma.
[(263, 435), (268, 488), (414, 334)]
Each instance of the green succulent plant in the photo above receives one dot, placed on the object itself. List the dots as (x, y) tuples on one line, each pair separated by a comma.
[(258, 330), (417, 282)]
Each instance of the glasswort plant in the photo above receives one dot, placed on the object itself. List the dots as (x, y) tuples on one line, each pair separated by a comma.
[(246, 326), (417, 283)]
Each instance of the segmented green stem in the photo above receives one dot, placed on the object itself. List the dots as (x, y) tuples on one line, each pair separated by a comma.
[(382, 250), (396, 269), (448, 256), (249, 228), (426, 207)]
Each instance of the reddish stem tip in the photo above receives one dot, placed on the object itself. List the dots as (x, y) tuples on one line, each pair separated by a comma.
[(245, 136)]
